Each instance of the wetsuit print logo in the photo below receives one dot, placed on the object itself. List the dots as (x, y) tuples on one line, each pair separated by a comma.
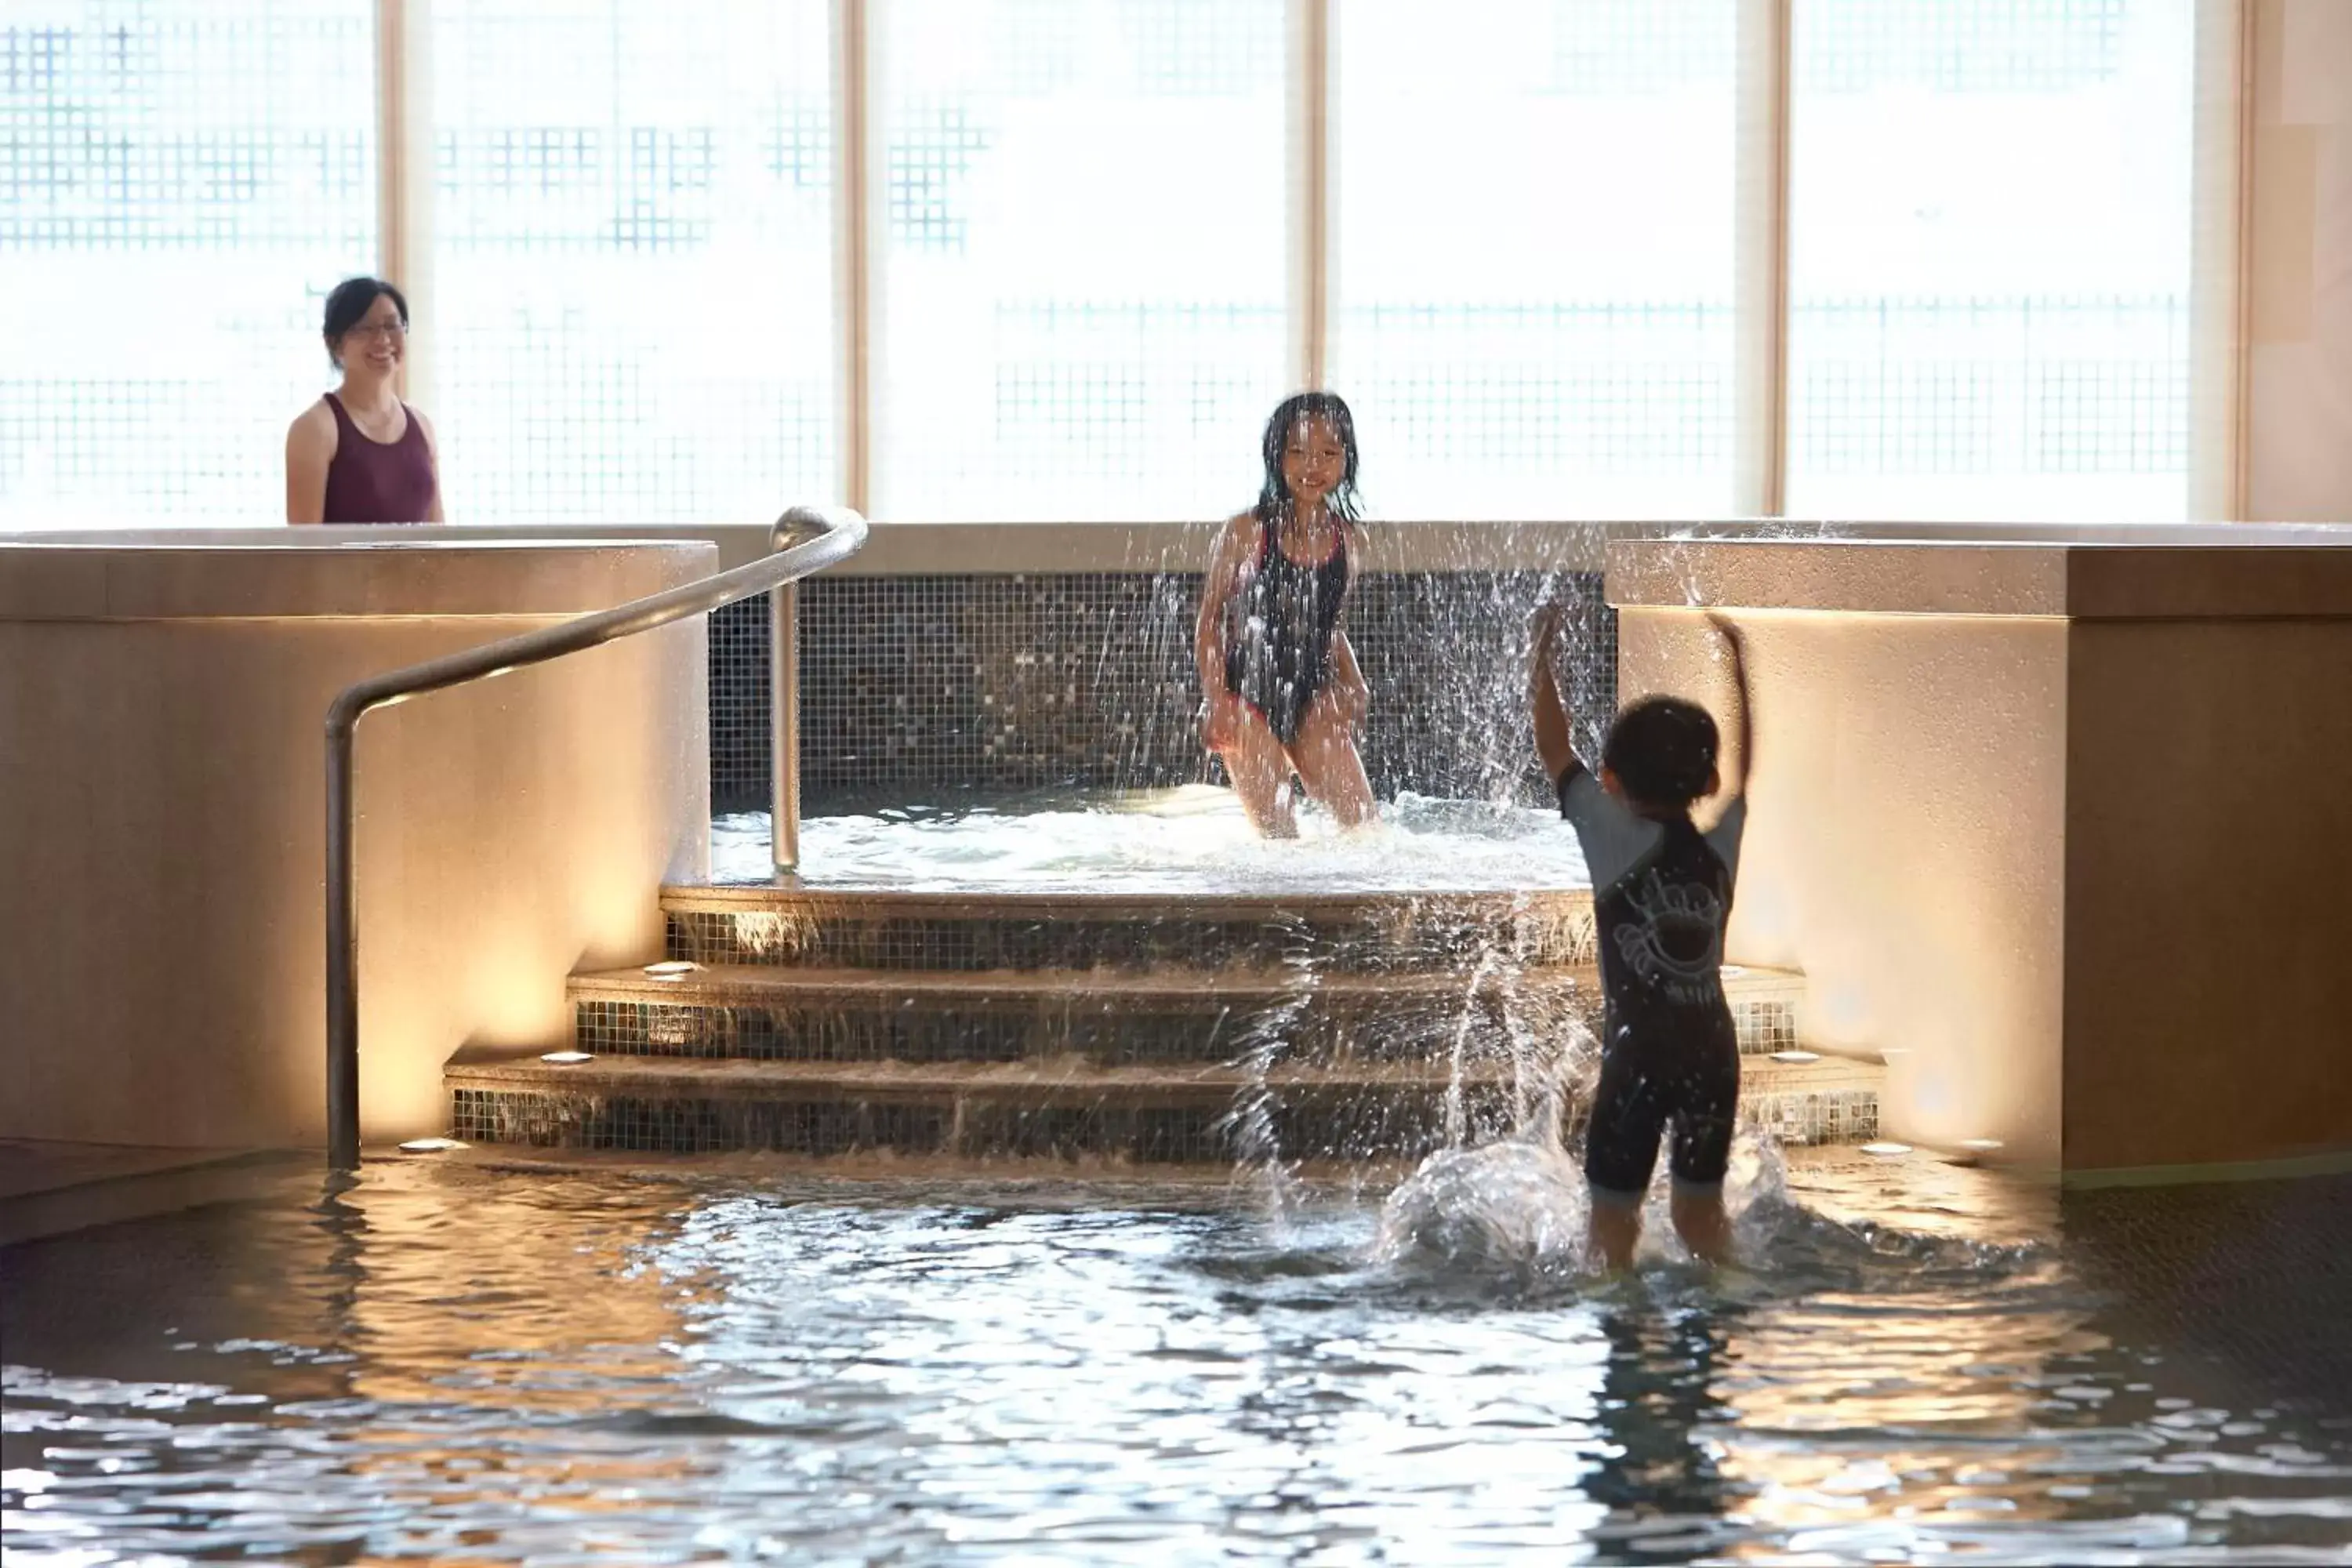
[(1673, 942)]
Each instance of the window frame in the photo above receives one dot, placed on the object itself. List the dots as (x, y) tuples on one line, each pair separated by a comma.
[(2222, 144)]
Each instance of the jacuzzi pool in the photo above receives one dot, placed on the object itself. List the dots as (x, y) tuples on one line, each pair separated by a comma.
[(1174, 841)]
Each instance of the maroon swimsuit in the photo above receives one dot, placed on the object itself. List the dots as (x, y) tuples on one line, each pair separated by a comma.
[(378, 481)]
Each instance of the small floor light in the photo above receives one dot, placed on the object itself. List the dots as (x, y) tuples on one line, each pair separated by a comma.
[(671, 968), (430, 1145), (1887, 1150), (566, 1058), (1981, 1145), (1796, 1058)]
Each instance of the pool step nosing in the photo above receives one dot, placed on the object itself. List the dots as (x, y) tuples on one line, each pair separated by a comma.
[(1148, 1117), (1168, 1014), (786, 928), (817, 902), (739, 984), (1070, 1081)]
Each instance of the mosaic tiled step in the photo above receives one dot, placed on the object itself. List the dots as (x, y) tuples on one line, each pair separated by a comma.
[(1143, 1115), (862, 928), (1107, 1016)]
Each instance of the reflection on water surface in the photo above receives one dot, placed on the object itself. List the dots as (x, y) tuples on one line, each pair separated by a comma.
[(497, 1366)]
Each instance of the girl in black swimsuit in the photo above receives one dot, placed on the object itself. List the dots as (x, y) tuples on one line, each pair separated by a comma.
[(1284, 695)]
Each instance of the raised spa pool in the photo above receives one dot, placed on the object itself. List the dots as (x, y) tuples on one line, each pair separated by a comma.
[(1193, 839), (477, 1365)]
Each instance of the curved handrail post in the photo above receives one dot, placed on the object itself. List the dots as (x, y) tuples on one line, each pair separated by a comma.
[(342, 944), (836, 536), (784, 700)]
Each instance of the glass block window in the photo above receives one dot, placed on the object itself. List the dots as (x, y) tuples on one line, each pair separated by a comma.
[(632, 259), (1532, 273), (181, 184), (1081, 268), (1990, 259)]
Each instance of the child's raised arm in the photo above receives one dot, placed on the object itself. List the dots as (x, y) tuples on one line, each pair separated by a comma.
[(1741, 728), (1555, 743)]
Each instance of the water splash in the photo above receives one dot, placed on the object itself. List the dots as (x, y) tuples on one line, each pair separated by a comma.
[(1457, 1121), (1519, 1206), (1516, 1206), (1253, 1126)]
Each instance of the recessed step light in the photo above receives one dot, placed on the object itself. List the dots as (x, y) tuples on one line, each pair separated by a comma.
[(671, 968), (1982, 1145), (1887, 1150), (566, 1058), (430, 1145), (1796, 1058)]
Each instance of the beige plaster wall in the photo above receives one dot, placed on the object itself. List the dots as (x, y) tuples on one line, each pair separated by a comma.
[(2299, 279), (1911, 870), (2061, 827), (2209, 852), (162, 844)]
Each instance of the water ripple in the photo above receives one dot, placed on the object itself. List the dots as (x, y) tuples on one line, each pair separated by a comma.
[(565, 1369)]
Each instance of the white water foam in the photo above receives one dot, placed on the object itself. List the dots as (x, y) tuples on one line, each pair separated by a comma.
[(1191, 839), (1520, 1206)]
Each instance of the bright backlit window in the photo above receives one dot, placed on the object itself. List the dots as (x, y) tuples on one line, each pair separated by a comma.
[(1081, 260), (1533, 255), (633, 261), (1088, 254), (181, 183), (1990, 258)]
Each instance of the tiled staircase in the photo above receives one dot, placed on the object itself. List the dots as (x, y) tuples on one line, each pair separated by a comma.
[(1120, 1029)]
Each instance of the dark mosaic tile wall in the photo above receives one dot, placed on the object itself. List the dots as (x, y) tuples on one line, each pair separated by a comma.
[(1087, 679)]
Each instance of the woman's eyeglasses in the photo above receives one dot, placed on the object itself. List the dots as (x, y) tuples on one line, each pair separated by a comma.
[(391, 330)]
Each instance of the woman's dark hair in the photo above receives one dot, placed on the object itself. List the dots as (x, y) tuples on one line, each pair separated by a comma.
[(1662, 750), (347, 306), (1274, 497)]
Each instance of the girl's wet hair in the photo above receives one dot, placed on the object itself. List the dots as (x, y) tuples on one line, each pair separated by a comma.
[(1663, 750), (1274, 496), (347, 306)]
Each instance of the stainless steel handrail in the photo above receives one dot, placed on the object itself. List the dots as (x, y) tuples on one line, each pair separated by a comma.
[(838, 533)]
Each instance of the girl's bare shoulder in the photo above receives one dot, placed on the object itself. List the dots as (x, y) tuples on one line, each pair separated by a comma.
[(1239, 531)]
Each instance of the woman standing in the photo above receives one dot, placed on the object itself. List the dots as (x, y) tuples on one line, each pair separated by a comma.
[(1283, 692), (360, 454)]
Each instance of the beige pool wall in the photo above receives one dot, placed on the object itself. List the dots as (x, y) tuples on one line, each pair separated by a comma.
[(162, 848), (2061, 829)]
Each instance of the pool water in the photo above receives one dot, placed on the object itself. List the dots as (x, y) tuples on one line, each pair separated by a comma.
[(1193, 839), (774, 1362)]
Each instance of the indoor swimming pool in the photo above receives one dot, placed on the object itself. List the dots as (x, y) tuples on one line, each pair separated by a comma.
[(768, 1361)]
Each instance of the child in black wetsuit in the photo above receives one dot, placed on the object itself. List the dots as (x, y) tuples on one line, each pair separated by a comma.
[(1662, 896)]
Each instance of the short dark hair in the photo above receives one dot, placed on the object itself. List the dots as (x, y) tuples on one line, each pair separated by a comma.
[(1663, 750), (348, 305), (1274, 496)]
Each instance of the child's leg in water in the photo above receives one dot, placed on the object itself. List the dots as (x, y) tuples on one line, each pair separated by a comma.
[(1258, 768), (1328, 764), (1701, 1221), (1616, 1226), (1701, 1153)]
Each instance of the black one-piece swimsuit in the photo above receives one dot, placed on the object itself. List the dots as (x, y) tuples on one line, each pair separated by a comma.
[(1282, 655)]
